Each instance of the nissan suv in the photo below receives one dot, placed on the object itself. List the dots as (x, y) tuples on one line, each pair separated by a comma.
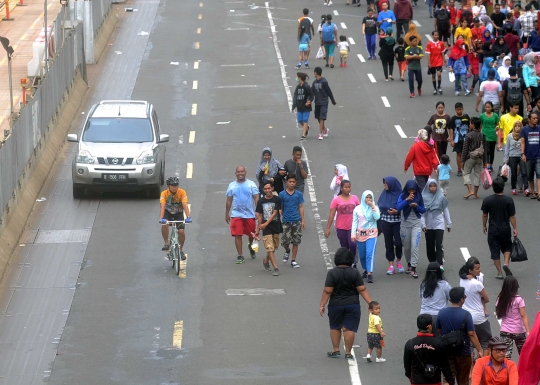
[(120, 149)]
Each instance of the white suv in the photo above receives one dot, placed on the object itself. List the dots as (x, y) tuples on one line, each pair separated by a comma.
[(120, 149)]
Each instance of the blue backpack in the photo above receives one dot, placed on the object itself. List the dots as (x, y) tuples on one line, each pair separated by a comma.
[(328, 33)]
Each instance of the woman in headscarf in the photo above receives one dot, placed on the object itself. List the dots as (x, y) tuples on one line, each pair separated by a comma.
[(411, 205), (486, 20), (386, 53), (489, 63), (423, 158), (529, 75), (488, 38), (364, 232), (458, 63), (412, 32), (340, 174), (435, 221), (486, 52), (390, 223), (268, 167), (500, 49), (503, 69)]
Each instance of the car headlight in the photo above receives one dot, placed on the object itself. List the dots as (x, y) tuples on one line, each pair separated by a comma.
[(146, 158), (85, 157)]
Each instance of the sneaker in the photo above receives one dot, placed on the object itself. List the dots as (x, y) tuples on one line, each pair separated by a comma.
[(239, 260), (499, 276), (440, 91), (400, 267), (345, 66), (302, 137), (286, 256), (514, 192), (370, 278), (306, 64), (507, 270), (165, 248), (413, 274), (320, 137), (368, 357), (295, 264), (298, 67), (364, 274), (527, 192), (380, 360), (374, 57), (412, 95), (457, 93), (276, 272), (390, 270), (459, 173), (467, 93), (251, 251), (266, 266), (329, 3), (419, 92), (408, 271), (442, 268), (183, 256), (325, 132), (340, 64), (434, 92)]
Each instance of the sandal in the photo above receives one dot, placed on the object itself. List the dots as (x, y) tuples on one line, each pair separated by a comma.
[(331, 66), (349, 357), (533, 196), (520, 190), (468, 196), (333, 354)]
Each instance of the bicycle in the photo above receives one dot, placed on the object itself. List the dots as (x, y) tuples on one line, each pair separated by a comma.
[(173, 254)]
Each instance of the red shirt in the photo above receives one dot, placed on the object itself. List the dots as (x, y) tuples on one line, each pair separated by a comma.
[(478, 33), (453, 15), (512, 41), (435, 50)]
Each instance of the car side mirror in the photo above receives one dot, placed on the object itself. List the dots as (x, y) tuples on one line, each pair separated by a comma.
[(162, 138), (72, 138)]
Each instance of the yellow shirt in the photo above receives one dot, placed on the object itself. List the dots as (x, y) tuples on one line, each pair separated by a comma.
[(374, 320), (466, 33), (506, 123)]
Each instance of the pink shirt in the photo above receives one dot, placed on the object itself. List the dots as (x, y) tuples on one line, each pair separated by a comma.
[(344, 211), (512, 323)]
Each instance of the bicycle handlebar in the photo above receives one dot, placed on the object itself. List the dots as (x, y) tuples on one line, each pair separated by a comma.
[(166, 223)]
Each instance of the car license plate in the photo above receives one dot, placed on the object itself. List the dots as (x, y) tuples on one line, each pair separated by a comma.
[(115, 178)]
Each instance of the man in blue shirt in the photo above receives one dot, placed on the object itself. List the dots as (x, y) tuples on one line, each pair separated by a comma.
[(292, 217), (242, 197), (386, 17), (530, 152)]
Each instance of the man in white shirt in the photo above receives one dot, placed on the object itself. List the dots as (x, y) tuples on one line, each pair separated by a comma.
[(527, 22), (490, 91)]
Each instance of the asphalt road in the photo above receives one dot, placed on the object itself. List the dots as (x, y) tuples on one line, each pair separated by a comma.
[(132, 320)]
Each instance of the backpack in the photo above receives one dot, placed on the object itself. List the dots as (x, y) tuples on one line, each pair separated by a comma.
[(454, 340), (443, 21), (306, 23), (514, 94), (328, 33)]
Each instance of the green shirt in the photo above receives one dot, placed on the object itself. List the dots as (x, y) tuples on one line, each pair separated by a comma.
[(489, 125), (414, 64)]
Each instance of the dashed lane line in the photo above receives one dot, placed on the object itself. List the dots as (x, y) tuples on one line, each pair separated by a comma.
[(361, 58), (199, 30), (372, 78), (197, 45), (400, 132), (195, 84), (194, 109), (416, 23), (385, 101), (199, 16), (343, 26), (195, 65), (177, 334), (191, 137), (336, 12), (428, 37), (237, 65), (351, 41), (189, 171)]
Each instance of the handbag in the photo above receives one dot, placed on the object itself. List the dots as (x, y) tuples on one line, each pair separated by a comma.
[(485, 179), (451, 77), (453, 341), (518, 253), (320, 54)]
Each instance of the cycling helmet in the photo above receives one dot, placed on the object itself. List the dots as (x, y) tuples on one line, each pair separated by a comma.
[(173, 181), (497, 343)]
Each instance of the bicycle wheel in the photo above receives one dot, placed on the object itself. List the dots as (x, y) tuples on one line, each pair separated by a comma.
[(177, 259)]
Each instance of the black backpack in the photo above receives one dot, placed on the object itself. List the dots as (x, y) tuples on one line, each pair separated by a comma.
[(306, 23), (454, 340), (514, 94), (443, 19)]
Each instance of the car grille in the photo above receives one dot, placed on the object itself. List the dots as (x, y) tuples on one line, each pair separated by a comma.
[(101, 160), (110, 161)]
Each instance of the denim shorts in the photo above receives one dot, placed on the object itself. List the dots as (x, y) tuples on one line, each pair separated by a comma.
[(347, 316), (302, 117)]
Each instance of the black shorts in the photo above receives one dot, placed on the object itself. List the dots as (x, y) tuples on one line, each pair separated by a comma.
[(320, 112), (346, 316), (458, 147), (444, 34), (499, 243), (483, 332), (176, 217), (434, 70)]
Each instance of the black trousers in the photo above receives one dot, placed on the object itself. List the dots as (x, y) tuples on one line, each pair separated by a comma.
[(402, 24), (388, 67), (392, 240), (434, 246), (490, 151), (514, 162)]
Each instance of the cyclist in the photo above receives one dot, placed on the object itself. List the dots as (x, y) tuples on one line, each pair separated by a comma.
[(174, 203)]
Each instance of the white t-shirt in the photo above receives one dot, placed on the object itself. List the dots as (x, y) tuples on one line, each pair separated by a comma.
[(473, 302), (491, 90), (480, 9), (343, 45)]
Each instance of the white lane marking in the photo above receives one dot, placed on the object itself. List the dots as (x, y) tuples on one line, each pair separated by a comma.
[(236, 29), (200, 4), (237, 65), (195, 84), (416, 23), (343, 26), (465, 252), (223, 122), (351, 41), (191, 137), (336, 12), (372, 78), (385, 101), (353, 369), (197, 45), (361, 58), (244, 86), (199, 16), (199, 30), (400, 131), (429, 37), (194, 109), (196, 65), (189, 171)]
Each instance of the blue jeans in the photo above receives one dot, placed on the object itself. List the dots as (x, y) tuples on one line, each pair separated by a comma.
[(366, 252), (412, 74), (463, 79)]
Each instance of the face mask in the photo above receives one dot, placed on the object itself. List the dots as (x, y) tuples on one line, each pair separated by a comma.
[(297, 80)]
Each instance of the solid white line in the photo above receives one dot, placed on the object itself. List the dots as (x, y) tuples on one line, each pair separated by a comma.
[(194, 109), (416, 23), (429, 37), (189, 171), (336, 12), (196, 65), (236, 29), (361, 58), (343, 26), (400, 131), (191, 137), (385, 101), (351, 41), (237, 65), (372, 78), (353, 370), (246, 86), (465, 252), (195, 84)]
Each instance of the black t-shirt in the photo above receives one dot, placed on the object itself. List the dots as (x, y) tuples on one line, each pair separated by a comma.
[(443, 19), (499, 208), (460, 125), (266, 208), (505, 86), (344, 280), (498, 19), (400, 52), (371, 25)]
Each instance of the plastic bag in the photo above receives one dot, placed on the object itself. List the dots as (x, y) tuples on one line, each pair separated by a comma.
[(320, 54), (505, 171), (451, 77), (485, 179), (518, 254), (255, 245)]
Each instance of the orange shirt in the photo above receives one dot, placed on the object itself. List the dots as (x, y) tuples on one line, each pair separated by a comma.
[(173, 203), (484, 367)]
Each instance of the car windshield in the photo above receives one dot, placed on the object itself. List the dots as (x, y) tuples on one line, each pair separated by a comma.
[(117, 130)]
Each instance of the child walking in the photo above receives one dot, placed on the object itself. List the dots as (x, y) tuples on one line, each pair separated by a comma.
[(344, 50), (303, 47), (302, 102), (375, 333), (399, 51), (458, 63), (444, 173)]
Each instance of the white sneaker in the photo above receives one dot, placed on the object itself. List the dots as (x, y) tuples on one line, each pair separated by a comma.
[(457, 93), (329, 3), (325, 132), (368, 357), (320, 137), (380, 360)]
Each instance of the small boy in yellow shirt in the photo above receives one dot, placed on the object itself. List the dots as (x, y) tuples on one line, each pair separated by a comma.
[(375, 333)]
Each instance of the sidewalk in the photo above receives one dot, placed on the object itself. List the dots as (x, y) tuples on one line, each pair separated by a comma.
[(21, 32)]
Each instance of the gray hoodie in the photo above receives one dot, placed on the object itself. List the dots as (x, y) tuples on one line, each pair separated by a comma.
[(321, 92), (512, 149)]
